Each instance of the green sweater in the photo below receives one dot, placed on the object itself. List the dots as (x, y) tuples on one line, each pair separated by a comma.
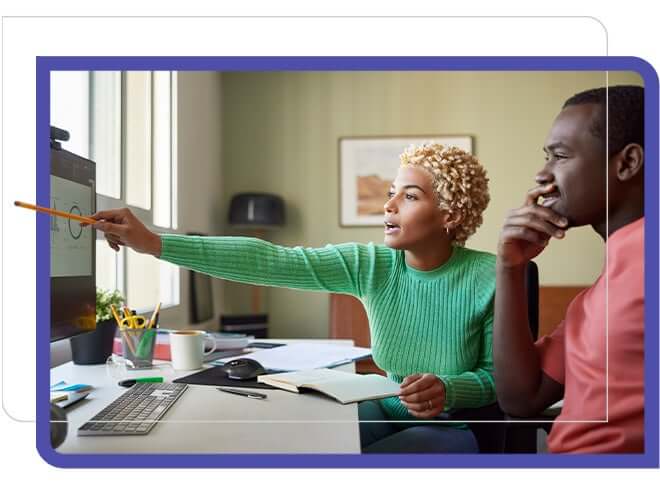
[(438, 321)]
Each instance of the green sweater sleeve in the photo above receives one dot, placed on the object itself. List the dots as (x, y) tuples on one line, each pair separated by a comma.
[(348, 268), (475, 388)]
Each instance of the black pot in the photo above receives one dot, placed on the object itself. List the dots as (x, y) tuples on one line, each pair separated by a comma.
[(94, 348)]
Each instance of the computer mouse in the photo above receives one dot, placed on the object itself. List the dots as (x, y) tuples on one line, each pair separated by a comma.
[(243, 369)]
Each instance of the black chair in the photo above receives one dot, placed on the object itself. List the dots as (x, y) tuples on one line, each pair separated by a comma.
[(490, 424), (521, 436), (248, 324)]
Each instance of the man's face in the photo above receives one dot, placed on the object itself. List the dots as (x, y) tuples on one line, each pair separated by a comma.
[(576, 165)]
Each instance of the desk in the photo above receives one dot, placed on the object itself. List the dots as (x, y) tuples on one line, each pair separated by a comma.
[(205, 420)]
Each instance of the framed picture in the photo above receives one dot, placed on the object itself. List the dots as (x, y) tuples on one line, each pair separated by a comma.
[(367, 168)]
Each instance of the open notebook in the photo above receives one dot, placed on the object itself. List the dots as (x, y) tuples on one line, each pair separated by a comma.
[(344, 387)]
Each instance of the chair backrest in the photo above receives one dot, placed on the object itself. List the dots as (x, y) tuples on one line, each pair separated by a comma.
[(532, 287), (348, 320)]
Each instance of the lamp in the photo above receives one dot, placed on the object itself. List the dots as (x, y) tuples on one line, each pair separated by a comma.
[(258, 212)]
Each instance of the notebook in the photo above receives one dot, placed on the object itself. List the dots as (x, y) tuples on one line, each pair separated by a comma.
[(344, 387)]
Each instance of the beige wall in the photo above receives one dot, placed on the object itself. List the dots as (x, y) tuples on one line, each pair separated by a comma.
[(200, 174), (280, 133)]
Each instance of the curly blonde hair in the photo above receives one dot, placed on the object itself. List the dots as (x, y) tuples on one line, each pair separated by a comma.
[(459, 181)]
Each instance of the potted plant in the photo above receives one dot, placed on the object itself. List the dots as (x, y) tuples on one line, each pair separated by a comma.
[(95, 347)]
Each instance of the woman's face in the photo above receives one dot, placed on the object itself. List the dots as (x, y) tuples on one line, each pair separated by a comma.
[(412, 217)]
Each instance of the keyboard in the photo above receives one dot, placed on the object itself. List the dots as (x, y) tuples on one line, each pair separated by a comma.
[(135, 412)]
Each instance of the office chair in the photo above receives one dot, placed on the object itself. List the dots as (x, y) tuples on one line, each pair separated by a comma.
[(521, 436), (494, 434)]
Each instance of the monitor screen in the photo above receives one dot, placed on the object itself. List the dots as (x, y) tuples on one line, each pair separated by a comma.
[(72, 249)]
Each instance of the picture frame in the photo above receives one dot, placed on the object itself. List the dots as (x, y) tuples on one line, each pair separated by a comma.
[(367, 168)]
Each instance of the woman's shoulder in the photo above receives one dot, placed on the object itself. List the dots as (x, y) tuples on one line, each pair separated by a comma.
[(376, 252), (371, 247), (486, 258), (482, 263)]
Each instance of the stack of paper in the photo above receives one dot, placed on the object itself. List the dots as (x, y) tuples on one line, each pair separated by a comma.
[(305, 356)]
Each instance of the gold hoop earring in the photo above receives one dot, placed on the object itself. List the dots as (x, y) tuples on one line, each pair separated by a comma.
[(447, 229)]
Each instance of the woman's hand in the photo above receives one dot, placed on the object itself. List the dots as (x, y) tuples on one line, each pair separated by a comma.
[(122, 228), (423, 394), (527, 229)]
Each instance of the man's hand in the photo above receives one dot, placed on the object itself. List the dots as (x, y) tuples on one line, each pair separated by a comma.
[(423, 394), (528, 229)]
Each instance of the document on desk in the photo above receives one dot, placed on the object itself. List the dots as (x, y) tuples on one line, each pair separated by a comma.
[(305, 356)]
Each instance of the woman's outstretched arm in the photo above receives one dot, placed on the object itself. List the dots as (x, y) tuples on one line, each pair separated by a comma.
[(347, 268)]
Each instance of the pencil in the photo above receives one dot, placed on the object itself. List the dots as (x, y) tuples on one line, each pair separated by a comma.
[(152, 321), (58, 213), (128, 341), (128, 315), (114, 313)]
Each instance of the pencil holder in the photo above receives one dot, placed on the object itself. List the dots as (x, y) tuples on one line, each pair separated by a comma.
[(95, 347), (138, 347)]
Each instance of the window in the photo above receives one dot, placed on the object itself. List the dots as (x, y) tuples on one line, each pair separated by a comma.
[(69, 108), (126, 123)]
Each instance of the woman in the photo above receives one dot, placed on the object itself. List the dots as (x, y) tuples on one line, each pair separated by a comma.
[(429, 300)]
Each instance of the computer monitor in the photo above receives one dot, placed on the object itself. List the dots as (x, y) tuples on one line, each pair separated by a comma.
[(72, 247)]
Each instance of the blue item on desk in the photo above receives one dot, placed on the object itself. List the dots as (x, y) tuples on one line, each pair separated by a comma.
[(61, 386), (243, 369)]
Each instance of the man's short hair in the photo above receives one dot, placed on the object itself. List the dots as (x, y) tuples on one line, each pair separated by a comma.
[(626, 114)]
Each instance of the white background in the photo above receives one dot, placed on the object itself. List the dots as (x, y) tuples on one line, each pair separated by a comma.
[(631, 31)]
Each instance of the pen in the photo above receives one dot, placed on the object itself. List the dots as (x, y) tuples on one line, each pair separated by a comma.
[(130, 382), (247, 394), (114, 313)]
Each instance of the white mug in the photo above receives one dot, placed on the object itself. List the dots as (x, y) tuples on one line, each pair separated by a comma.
[(187, 348)]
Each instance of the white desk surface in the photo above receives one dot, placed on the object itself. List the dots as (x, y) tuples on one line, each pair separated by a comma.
[(205, 420)]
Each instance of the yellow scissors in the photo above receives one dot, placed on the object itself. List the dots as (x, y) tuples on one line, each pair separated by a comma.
[(133, 322)]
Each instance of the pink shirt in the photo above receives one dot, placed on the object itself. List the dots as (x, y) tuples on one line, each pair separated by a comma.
[(603, 376)]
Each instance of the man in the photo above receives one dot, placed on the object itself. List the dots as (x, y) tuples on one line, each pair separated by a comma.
[(595, 358)]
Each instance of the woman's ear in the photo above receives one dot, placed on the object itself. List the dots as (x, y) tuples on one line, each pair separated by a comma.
[(631, 160), (450, 221)]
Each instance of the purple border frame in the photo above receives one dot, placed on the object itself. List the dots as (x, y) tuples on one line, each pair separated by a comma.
[(648, 459)]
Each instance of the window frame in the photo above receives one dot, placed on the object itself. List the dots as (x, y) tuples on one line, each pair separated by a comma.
[(104, 202)]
